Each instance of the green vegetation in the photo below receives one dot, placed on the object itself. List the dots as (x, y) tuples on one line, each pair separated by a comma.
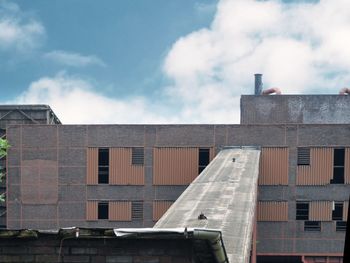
[(3, 151)]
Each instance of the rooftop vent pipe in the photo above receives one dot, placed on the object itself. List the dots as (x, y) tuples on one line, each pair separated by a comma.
[(276, 91), (344, 91), (258, 84)]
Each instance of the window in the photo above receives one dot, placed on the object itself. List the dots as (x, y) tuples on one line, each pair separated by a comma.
[(302, 211), (137, 156), (312, 226), (103, 166), (102, 210), (137, 210), (203, 159), (303, 156), (337, 213), (338, 166), (340, 226)]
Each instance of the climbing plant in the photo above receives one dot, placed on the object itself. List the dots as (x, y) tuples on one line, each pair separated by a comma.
[(3, 151)]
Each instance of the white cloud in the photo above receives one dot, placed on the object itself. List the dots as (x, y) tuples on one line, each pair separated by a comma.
[(300, 47), (73, 59), (18, 31), (75, 101)]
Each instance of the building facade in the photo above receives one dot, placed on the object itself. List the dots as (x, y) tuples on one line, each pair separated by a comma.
[(21, 114), (129, 175)]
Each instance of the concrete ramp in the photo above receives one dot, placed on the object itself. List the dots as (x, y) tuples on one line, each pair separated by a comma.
[(225, 193)]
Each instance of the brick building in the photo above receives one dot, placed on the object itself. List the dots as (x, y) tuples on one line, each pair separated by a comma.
[(21, 114), (114, 176)]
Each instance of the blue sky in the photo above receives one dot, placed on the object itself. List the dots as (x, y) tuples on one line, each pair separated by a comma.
[(157, 61), (130, 38)]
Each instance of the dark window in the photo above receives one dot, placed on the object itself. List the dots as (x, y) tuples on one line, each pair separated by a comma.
[(302, 211), (137, 210), (339, 157), (137, 156), (338, 175), (340, 226), (312, 226), (203, 159), (337, 213), (103, 166), (303, 156), (338, 166), (102, 210), (103, 157)]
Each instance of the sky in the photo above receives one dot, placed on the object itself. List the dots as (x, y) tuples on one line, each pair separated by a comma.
[(156, 61)]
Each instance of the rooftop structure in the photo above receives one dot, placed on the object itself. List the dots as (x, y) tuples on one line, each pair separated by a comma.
[(295, 109)]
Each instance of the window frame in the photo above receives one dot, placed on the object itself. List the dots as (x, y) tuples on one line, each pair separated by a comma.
[(340, 206), (338, 168), (203, 165), (305, 215), (105, 205), (103, 169)]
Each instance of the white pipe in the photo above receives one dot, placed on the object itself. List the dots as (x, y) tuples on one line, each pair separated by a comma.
[(344, 91), (276, 91)]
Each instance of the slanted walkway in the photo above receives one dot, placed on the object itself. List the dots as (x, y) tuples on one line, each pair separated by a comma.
[(224, 196)]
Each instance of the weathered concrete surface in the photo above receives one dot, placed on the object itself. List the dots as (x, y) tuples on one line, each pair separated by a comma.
[(225, 192), (306, 109)]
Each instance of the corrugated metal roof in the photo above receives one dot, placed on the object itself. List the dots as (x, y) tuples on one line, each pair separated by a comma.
[(225, 193), (30, 107)]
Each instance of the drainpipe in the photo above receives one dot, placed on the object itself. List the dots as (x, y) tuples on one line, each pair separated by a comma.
[(215, 241), (258, 84)]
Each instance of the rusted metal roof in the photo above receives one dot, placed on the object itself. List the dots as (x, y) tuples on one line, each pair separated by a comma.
[(27, 110)]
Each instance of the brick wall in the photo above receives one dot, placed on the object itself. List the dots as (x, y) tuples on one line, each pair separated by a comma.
[(71, 142)]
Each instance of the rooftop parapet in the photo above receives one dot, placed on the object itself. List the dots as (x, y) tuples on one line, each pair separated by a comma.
[(295, 109)]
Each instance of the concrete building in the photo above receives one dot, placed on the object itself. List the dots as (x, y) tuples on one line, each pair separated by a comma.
[(114, 176)]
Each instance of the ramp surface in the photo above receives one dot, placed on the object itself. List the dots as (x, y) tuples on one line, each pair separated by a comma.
[(225, 193)]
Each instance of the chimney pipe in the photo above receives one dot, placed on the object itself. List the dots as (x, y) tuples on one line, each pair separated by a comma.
[(258, 84)]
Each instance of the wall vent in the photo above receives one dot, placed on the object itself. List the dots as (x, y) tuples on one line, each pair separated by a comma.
[(137, 210), (303, 156), (137, 156)]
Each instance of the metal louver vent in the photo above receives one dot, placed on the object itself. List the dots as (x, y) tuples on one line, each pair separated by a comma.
[(137, 210), (137, 157), (303, 156)]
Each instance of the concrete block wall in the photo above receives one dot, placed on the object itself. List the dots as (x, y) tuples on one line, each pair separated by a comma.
[(51, 248), (67, 144), (296, 109)]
